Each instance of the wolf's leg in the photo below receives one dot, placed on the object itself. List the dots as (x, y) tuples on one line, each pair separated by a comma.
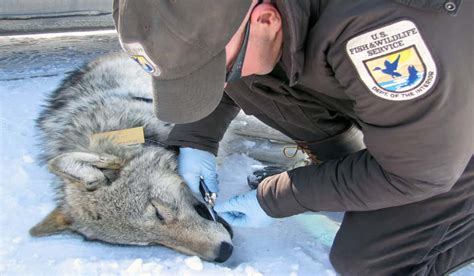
[(259, 175), (84, 168)]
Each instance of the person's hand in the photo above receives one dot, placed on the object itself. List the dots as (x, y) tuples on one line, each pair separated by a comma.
[(244, 211), (194, 163)]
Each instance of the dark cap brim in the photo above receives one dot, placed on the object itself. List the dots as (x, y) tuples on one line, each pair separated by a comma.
[(192, 97)]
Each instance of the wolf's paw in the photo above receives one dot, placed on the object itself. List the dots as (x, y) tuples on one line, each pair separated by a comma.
[(260, 174)]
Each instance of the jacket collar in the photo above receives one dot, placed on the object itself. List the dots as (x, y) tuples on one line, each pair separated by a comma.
[(297, 16), (435, 5)]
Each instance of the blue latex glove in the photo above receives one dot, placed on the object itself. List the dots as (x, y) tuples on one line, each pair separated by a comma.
[(194, 163), (244, 211)]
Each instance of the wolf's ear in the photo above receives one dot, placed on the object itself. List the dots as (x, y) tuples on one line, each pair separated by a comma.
[(89, 169), (53, 223)]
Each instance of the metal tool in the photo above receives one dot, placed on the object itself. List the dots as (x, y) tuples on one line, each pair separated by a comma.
[(209, 198)]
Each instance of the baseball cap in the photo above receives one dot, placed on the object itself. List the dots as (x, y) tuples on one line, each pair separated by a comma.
[(181, 43)]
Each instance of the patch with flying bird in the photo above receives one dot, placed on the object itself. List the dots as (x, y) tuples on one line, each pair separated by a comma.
[(394, 61)]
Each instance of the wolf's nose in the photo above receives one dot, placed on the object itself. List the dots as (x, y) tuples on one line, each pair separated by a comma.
[(224, 252)]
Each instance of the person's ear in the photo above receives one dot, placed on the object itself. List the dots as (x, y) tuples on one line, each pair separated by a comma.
[(266, 16)]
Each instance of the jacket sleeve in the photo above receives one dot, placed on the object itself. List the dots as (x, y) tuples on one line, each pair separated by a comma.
[(356, 182), (206, 133)]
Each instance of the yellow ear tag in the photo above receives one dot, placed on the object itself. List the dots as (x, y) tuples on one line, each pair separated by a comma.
[(128, 136)]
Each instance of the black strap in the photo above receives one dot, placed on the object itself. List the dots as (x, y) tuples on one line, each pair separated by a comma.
[(149, 140), (147, 100)]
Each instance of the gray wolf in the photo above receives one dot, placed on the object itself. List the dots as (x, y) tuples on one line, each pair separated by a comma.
[(129, 194)]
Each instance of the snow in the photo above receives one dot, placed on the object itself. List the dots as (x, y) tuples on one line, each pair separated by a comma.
[(194, 263), (295, 246)]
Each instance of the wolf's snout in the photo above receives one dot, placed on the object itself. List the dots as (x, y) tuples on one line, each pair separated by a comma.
[(201, 209), (225, 251), (226, 226)]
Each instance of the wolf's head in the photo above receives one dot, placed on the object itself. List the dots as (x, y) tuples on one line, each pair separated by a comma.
[(132, 196)]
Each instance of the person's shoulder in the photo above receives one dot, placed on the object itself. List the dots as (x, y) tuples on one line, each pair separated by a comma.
[(363, 13)]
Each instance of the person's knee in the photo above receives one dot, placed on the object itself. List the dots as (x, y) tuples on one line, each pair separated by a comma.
[(346, 262)]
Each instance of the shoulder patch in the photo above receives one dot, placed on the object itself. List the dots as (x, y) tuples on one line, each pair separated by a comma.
[(394, 61), (138, 54)]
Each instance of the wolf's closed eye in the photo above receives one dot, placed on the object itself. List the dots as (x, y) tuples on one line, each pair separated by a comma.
[(157, 212), (158, 215)]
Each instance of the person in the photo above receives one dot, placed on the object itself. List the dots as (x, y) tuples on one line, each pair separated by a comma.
[(379, 94)]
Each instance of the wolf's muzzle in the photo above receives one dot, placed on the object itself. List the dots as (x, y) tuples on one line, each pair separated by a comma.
[(203, 212)]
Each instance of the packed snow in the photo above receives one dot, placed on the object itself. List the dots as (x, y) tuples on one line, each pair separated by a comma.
[(30, 68)]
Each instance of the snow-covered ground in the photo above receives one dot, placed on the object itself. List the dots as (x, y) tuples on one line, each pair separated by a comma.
[(31, 68)]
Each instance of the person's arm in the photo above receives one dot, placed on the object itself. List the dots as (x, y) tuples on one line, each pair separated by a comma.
[(206, 133), (356, 182)]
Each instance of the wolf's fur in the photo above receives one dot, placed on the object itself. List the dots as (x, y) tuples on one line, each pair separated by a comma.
[(127, 194)]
